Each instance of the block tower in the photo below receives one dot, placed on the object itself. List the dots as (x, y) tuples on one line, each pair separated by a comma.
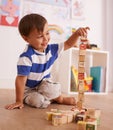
[(81, 71)]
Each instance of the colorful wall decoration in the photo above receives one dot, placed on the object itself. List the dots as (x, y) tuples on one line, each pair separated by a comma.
[(54, 2), (78, 9), (59, 14), (9, 12), (57, 9), (47, 10), (56, 28)]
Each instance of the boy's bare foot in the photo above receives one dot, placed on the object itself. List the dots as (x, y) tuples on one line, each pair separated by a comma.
[(65, 100), (69, 101)]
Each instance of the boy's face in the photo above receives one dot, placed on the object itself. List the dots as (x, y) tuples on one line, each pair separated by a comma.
[(39, 40)]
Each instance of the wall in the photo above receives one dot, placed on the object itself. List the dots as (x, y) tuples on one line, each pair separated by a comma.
[(109, 39), (12, 44)]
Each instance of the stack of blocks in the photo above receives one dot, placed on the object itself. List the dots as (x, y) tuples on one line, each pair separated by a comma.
[(85, 119), (81, 72)]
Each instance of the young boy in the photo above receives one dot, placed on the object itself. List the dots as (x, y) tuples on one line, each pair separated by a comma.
[(33, 82)]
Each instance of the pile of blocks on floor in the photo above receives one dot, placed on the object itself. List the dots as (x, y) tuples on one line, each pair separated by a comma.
[(86, 119)]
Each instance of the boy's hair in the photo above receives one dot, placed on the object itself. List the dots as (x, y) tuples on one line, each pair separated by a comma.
[(30, 22)]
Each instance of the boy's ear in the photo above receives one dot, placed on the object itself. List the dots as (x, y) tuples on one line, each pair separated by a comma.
[(25, 38)]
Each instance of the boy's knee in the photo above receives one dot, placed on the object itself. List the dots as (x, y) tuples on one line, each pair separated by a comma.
[(36, 100), (49, 89)]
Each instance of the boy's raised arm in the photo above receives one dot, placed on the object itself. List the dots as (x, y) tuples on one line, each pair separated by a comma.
[(72, 40)]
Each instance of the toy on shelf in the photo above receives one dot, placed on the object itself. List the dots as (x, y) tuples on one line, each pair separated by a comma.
[(88, 84)]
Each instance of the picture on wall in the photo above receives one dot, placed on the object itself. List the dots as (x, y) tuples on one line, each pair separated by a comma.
[(55, 15), (9, 12), (47, 10), (78, 9), (54, 2)]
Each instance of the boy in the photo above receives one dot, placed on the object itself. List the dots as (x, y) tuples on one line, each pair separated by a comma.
[(33, 84)]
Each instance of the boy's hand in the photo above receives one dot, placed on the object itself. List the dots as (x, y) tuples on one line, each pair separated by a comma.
[(82, 31), (73, 39), (15, 105)]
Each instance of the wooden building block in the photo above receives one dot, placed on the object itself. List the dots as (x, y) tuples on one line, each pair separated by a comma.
[(70, 118), (81, 58), (81, 86), (64, 119), (94, 113), (81, 64), (49, 116), (82, 52), (56, 119), (79, 105), (91, 125), (81, 125), (81, 97), (81, 69), (90, 113), (80, 117), (81, 76), (82, 46)]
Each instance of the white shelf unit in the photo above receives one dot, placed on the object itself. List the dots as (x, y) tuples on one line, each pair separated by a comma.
[(70, 57)]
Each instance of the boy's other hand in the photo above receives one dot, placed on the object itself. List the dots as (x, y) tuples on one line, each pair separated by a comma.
[(14, 105)]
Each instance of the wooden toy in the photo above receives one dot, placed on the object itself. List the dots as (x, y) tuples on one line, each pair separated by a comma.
[(49, 116), (79, 117), (87, 125), (81, 73), (94, 113), (86, 119), (81, 125), (56, 119), (91, 125), (59, 117)]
